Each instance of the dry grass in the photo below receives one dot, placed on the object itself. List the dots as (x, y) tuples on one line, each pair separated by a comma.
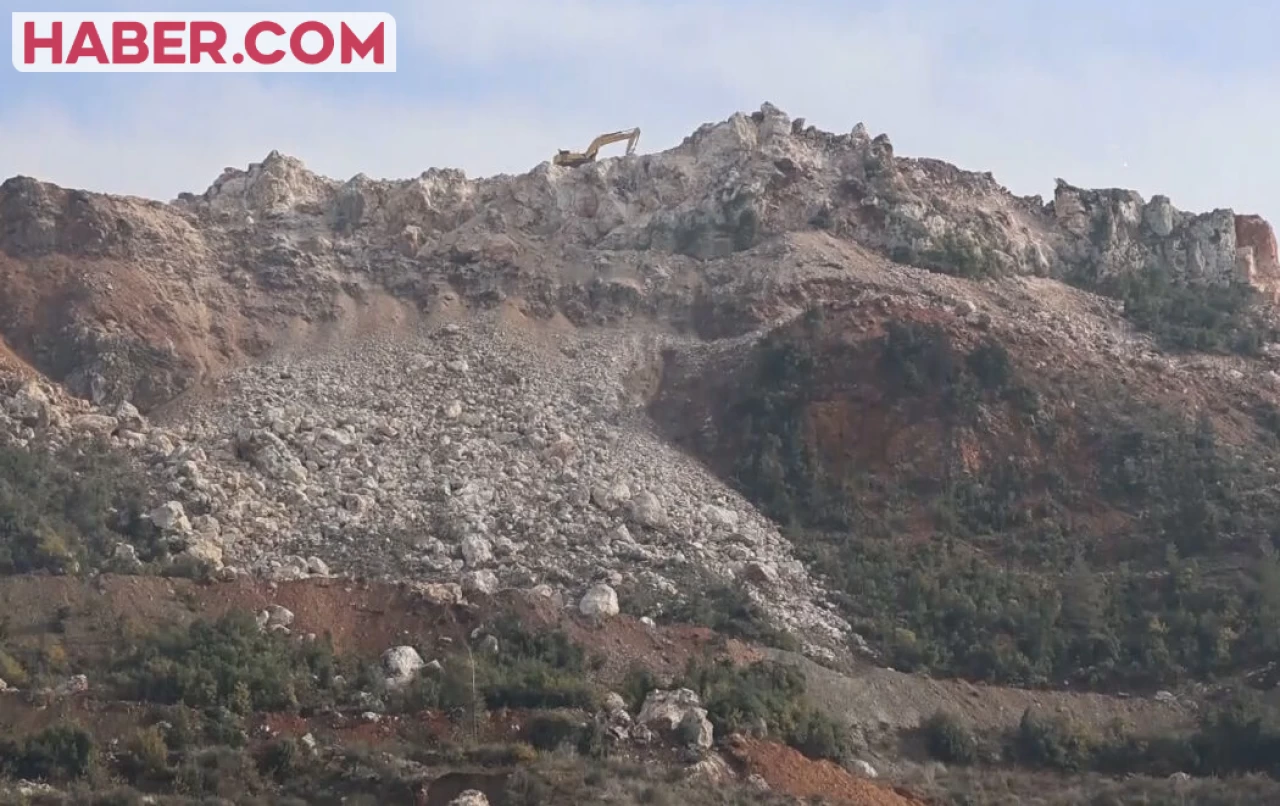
[(973, 786)]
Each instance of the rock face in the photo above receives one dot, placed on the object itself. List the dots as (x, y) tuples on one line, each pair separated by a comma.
[(157, 296), (401, 663), (601, 601), (1111, 233), (1260, 261), (679, 713)]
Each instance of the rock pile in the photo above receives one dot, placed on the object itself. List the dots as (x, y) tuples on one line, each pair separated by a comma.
[(461, 458)]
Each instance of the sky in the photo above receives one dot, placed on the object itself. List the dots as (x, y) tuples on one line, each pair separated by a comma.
[(1166, 97)]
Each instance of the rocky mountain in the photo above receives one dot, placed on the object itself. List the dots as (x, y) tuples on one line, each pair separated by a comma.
[(138, 300), (776, 380)]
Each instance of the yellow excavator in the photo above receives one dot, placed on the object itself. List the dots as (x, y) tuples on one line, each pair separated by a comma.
[(571, 159)]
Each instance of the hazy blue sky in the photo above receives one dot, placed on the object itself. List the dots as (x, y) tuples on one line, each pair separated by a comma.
[(1170, 97)]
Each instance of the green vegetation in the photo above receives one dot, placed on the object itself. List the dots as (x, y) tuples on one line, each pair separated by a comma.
[(945, 608), (731, 612), (59, 753), (1220, 319), (764, 697), (1021, 786), (1237, 737), (769, 695), (212, 680), (779, 469), (1006, 588), (954, 255), (283, 771), (64, 511), (231, 666), (776, 466), (950, 740), (230, 663), (534, 670)]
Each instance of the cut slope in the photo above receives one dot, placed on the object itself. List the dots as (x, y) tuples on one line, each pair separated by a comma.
[(122, 298)]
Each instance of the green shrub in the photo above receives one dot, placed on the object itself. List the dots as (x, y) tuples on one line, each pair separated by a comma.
[(219, 772), (1241, 734), (1052, 741), (991, 365), (281, 758), (730, 611), (637, 684), (548, 731), (918, 358), (147, 754), (11, 671), (532, 683), (229, 663), (950, 740), (534, 670), (62, 752), (737, 698), (64, 510), (1217, 319), (954, 255)]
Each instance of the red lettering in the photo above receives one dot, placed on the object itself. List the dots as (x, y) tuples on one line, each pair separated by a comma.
[(31, 43), (251, 42), (212, 47), (131, 35), (326, 42), (164, 43), (352, 44), (87, 43)]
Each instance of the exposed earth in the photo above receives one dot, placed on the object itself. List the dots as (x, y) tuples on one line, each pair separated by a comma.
[(771, 467)]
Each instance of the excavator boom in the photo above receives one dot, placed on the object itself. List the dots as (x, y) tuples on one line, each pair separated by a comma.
[(571, 159)]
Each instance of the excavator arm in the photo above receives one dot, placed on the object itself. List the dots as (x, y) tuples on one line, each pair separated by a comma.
[(571, 159)]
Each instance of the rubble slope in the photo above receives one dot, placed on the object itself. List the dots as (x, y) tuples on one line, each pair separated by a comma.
[(445, 378)]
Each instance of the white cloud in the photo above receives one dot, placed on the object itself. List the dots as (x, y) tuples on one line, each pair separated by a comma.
[(561, 71)]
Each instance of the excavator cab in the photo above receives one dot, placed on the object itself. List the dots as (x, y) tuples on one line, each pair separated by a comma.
[(572, 159)]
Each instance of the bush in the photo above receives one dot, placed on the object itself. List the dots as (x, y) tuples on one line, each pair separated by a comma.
[(529, 670), (534, 670), (229, 663), (148, 754), (950, 740), (281, 758), (1052, 741), (1009, 611), (737, 698), (1217, 319), (1240, 735), (954, 255), (991, 365), (64, 511), (547, 732), (730, 611), (61, 752), (11, 671), (918, 359), (637, 684), (219, 772)]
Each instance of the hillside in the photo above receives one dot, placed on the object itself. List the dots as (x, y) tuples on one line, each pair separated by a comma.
[(906, 451)]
